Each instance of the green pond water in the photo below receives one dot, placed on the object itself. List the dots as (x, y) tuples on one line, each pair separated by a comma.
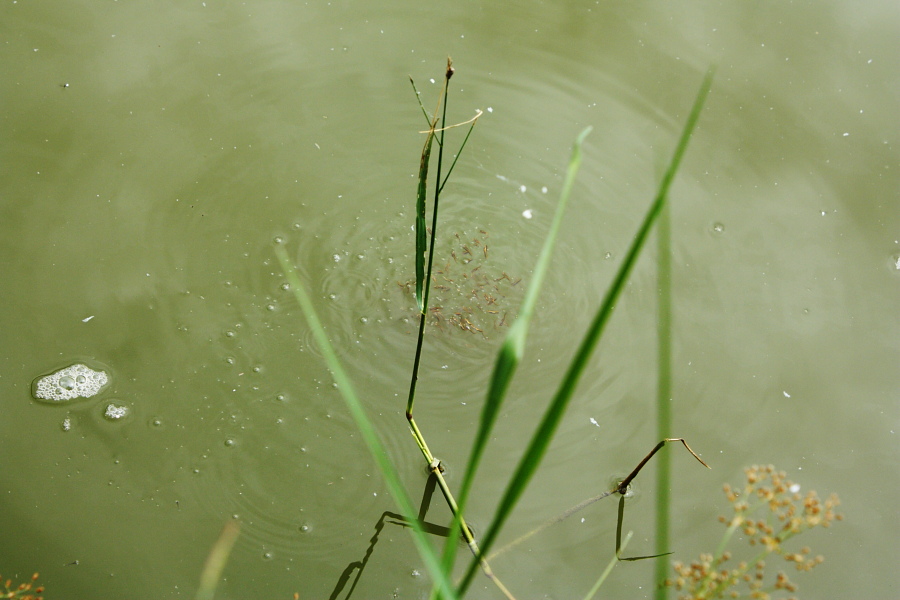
[(153, 154)]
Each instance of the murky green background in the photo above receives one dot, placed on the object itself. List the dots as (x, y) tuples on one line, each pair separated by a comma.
[(152, 152)]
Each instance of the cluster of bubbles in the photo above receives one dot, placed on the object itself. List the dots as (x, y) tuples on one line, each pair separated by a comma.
[(76, 381), (114, 412)]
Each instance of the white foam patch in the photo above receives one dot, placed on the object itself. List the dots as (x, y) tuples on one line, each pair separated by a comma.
[(76, 381)]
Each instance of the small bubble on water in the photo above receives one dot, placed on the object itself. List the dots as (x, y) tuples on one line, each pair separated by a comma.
[(305, 528), (67, 383), (229, 443), (608, 255), (280, 397), (257, 369), (156, 423), (278, 239), (363, 320), (336, 258), (718, 228), (268, 555), (415, 573), (81, 380), (528, 213), (285, 286), (270, 307), (66, 424), (115, 412), (230, 333)]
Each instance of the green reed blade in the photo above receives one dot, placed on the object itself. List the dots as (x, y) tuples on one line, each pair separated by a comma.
[(365, 426), (513, 347), (421, 231), (544, 433), (663, 399)]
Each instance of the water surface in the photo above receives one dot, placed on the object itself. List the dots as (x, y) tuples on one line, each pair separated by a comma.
[(153, 157)]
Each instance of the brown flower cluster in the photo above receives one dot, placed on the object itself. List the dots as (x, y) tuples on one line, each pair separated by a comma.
[(768, 511), (22, 591)]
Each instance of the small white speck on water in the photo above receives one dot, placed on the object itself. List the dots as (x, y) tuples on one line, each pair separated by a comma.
[(786, 395), (528, 213)]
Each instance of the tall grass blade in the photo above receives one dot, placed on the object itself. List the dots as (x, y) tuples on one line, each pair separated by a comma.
[(513, 347), (366, 429), (663, 399), (544, 433)]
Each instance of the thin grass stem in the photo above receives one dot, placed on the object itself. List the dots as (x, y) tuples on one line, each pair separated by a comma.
[(459, 152)]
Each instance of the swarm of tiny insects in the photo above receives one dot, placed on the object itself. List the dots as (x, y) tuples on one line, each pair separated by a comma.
[(23, 591), (769, 511)]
